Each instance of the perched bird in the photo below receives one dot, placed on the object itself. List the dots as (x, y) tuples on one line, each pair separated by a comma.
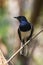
[(25, 32)]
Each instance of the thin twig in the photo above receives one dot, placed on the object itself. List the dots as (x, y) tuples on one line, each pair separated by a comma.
[(23, 46)]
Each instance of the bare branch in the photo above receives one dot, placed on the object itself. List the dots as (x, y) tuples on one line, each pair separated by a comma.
[(23, 46)]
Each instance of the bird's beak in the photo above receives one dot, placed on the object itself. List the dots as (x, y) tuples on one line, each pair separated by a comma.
[(17, 18)]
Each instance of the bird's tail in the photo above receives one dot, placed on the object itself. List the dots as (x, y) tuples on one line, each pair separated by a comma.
[(24, 51)]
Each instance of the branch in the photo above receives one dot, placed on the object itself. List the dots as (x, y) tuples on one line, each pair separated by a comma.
[(23, 46), (2, 59)]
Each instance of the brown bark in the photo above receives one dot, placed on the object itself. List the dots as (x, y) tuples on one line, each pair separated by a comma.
[(36, 10)]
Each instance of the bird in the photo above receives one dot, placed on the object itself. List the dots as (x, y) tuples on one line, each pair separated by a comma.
[(25, 31)]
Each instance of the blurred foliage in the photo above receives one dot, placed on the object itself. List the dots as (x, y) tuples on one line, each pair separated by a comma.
[(2, 11), (3, 27)]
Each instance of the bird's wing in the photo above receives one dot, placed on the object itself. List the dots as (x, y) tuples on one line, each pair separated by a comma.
[(32, 29), (19, 33)]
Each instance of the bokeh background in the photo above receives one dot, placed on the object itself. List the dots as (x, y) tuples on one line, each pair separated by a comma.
[(9, 39)]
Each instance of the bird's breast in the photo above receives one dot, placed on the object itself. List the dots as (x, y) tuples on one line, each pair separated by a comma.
[(26, 34)]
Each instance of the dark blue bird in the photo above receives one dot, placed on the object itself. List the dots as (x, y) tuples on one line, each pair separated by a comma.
[(25, 32)]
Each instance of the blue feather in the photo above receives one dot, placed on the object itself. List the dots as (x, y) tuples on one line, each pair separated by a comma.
[(23, 23), (24, 26)]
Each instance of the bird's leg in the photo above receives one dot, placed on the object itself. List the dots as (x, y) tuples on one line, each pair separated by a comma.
[(25, 49), (22, 51)]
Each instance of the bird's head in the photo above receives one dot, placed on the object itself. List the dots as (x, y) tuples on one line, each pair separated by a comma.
[(21, 18), (24, 24)]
